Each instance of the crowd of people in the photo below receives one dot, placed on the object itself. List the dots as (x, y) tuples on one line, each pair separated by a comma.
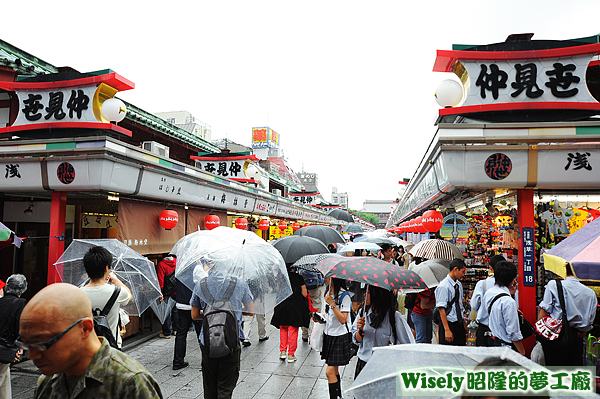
[(57, 327)]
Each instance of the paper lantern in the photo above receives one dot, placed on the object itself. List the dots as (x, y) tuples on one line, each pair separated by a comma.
[(113, 110), (295, 226), (211, 221), (263, 225), (168, 219), (433, 220), (241, 223), (282, 225), (420, 228)]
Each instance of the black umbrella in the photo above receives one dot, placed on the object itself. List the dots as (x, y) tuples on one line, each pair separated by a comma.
[(341, 215), (293, 248), (324, 233)]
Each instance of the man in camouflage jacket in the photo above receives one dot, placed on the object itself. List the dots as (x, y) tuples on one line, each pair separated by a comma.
[(58, 330)]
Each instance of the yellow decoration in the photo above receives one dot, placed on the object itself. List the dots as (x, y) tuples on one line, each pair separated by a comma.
[(103, 93)]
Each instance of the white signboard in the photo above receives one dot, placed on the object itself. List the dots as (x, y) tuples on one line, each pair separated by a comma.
[(534, 80), (225, 168), (17, 175), (264, 207), (70, 104), (578, 168)]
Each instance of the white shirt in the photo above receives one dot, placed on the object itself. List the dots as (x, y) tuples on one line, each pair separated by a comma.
[(478, 293), (504, 317), (333, 327), (580, 302), (99, 296), (444, 293)]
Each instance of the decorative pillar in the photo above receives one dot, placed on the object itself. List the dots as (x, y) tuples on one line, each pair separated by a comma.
[(526, 270), (58, 213)]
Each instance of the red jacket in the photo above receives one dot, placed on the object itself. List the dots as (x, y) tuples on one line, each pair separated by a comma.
[(165, 266)]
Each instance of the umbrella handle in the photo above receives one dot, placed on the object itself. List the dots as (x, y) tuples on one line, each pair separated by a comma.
[(365, 302)]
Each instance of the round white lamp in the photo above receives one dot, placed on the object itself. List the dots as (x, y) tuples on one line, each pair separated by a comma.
[(251, 171), (113, 110), (448, 93)]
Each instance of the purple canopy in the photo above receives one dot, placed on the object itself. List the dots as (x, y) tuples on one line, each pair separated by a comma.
[(582, 249)]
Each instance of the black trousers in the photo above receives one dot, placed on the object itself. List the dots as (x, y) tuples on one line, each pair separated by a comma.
[(184, 322), (483, 335), (220, 376), (458, 331)]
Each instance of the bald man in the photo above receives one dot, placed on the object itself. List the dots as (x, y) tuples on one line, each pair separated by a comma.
[(58, 330)]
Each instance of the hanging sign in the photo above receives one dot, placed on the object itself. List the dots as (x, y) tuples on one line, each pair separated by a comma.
[(552, 78), (528, 256), (303, 197), (225, 165), (73, 103)]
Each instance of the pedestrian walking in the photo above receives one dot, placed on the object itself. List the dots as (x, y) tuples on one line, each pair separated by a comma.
[(381, 325), (97, 262), (502, 309), (315, 284), (184, 324), (337, 336), (57, 328), (449, 295), (261, 323), (220, 371), (11, 306), (422, 316), (580, 303), (483, 330), (165, 268), (289, 316)]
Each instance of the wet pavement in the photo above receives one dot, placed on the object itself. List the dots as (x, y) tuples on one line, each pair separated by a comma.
[(263, 375)]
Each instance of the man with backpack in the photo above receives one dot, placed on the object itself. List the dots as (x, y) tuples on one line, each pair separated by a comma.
[(218, 300), (483, 329), (101, 290), (168, 285), (314, 282)]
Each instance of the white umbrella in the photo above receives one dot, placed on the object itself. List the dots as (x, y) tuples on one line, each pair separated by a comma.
[(353, 246), (162, 308), (432, 271)]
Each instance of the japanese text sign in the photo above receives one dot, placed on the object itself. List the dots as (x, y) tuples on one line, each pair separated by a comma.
[(528, 256)]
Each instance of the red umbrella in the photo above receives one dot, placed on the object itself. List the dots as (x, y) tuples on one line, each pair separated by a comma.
[(372, 271)]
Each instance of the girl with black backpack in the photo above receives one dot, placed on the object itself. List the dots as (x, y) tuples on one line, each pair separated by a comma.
[(381, 325)]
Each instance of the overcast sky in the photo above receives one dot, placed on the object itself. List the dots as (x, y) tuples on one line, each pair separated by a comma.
[(348, 85)]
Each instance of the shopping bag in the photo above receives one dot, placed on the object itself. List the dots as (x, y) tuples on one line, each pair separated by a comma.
[(316, 338), (537, 354)]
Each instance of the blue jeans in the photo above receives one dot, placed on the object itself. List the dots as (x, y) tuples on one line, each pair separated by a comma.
[(423, 327)]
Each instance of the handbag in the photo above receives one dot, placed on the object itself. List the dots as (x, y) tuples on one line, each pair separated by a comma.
[(317, 336), (553, 331)]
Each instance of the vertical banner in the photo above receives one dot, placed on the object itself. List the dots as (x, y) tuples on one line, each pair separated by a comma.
[(528, 256)]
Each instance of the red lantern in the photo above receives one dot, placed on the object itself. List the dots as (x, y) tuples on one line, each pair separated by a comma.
[(263, 225), (295, 226), (241, 223), (420, 228), (433, 220), (211, 221), (282, 225), (168, 219)]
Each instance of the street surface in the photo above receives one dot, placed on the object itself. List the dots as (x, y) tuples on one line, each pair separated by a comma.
[(262, 374)]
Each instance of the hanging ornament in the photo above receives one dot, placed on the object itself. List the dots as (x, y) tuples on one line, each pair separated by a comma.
[(295, 226), (263, 225), (241, 223), (433, 220), (282, 225), (211, 221), (168, 219)]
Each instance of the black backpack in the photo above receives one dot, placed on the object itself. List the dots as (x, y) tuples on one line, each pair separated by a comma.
[(220, 326), (410, 301), (101, 325), (170, 284)]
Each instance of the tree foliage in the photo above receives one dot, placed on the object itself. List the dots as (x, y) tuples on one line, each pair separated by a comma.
[(369, 217)]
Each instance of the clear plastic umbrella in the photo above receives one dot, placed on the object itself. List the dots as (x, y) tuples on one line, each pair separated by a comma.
[(133, 269), (162, 308), (238, 253), (381, 379)]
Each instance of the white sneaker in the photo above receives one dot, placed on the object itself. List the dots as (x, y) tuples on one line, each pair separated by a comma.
[(291, 358), (282, 355)]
